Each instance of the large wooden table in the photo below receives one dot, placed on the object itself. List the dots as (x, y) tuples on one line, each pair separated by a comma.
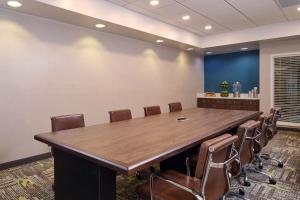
[(86, 159)]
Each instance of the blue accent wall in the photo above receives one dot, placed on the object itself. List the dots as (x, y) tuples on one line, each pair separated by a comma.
[(237, 66)]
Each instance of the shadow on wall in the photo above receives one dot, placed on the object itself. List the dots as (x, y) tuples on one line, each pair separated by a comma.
[(55, 56), (82, 38)]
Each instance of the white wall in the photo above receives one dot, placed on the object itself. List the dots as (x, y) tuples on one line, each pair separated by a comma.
[(49, 68), (267, 50)]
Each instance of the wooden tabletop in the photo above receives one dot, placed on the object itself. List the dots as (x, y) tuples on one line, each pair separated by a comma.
[(132, 145)]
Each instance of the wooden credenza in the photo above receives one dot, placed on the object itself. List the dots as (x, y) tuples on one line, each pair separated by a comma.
[(230, 103)]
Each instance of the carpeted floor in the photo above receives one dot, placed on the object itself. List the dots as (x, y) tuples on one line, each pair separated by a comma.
[(34, 181)]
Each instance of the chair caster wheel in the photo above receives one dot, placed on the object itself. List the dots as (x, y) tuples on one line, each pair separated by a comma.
[(247, 183), (241, 192), (280, 165), (272, 181)]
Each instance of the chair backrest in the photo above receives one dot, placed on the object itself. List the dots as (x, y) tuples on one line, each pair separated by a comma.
[(152, 110), (174, 107), (276, 115), (65, 122), (247, 133), (120, 115), (212, 165)]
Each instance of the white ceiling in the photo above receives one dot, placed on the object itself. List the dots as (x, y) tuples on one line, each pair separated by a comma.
[(222, 15), (236, 23)]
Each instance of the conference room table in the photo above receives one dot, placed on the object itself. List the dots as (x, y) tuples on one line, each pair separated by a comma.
[(87, 160)]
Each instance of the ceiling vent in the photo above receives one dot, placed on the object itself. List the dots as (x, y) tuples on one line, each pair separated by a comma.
[(288, 3)]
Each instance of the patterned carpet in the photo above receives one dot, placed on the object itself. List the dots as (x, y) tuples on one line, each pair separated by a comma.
[(34, 181)]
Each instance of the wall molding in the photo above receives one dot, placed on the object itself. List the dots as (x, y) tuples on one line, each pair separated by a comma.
[(23, 161)]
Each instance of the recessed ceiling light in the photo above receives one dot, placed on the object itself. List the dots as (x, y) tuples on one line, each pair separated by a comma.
[(208, 27), (209, 52), (190, 49), (298, 9), (154, 2), (14, 4), (244, 48), (159, 41), (100, 25), (186, 17)]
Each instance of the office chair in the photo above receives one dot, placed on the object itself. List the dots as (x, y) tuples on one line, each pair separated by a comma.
[(248, 134), (152, 110), (120, 115), (149, 111), (211, 179), (64, 122), (174, 107), (272, 131), (265, 122)]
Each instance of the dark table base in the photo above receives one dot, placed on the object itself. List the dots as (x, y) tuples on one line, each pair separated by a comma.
[(79, 179)]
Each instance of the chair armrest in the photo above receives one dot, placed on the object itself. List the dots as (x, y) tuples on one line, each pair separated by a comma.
[(172, 183), (222, 165), (255, 137)]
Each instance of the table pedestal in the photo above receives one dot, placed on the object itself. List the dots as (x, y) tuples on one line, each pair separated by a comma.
[(78, 179)]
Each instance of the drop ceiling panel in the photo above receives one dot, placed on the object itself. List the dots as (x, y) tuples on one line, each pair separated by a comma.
[(118, 2), (220, 12), (288, 3), (141, 10), (146, 4), (291, 12), (174, 13), (262, 12)]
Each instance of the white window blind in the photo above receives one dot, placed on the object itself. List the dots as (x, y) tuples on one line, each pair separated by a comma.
[(287, 87)]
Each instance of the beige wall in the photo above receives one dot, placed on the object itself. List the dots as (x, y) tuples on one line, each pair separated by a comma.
[(267, 50), (50, 68)]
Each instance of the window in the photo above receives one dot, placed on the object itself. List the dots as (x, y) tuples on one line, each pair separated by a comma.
[(287, 87)]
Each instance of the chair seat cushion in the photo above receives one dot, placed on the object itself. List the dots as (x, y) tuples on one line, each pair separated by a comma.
[(166, 191)]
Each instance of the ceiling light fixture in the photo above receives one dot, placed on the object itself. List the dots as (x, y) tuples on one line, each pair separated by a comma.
[(208, 27), (100, 25), (154, 2), (190, 49), (159, 41), (298, 9), (209, 52), (14, 4), (244, 48), (186, 17)]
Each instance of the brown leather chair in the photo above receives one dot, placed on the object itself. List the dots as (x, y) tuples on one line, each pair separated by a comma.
[(276, 115), (174, 107), (211, 179), (64, 122), (120, 115), (248, 134), (262, 141), (152, 110), (271, 132)]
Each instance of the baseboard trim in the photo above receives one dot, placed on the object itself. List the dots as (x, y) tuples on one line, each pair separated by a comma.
[(23, 161), (289, 128)]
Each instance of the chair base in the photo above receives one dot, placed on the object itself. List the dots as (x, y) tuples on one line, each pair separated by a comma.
[(271, 179), (238, 195), (245, 181), (254, 169), (268, 157)]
